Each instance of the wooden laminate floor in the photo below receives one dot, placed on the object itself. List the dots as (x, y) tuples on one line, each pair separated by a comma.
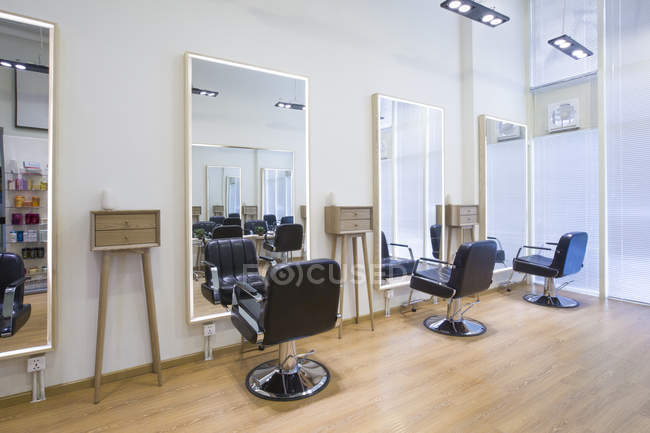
[(536, 370), (34, 332)]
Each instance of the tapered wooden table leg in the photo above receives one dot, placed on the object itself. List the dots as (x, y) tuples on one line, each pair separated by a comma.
[(355, 265), (151, 312), (334, 239), (364, 246), (101, 322), (344, 244)]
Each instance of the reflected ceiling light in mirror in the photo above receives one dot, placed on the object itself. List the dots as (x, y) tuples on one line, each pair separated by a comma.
[(204, 92), (570, 47), (475, 11), (24, 66), (290, 105)]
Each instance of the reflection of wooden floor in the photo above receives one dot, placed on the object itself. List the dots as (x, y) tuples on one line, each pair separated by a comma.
[(203, 307), (536, 369), (34, 332)]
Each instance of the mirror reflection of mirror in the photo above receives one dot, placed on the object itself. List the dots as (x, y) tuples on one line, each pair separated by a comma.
[(248, 147), (411, 186), (505, 187), (26, 167)]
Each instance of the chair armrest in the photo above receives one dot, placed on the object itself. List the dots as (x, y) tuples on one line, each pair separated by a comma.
[(532, 248), (425, 259), (8, 298), (268, 259), (19, 281), (404, 246), (492, 238), (552, 243), (248, 289)]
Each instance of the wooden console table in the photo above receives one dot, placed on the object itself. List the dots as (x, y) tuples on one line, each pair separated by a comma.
[(351, 223), (118, 233), (460, 218)]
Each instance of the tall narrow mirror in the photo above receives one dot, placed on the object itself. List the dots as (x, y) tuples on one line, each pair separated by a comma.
[(409, 184), (503, 178), (26, 191), (247, 174)]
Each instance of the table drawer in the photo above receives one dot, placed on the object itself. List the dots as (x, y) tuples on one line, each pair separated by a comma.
[(125, 221), (468, 210), (468, 219), (355, 214), (353, 225), (108, 238)]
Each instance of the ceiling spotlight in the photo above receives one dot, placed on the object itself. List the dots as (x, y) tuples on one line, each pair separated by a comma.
[(475, 11), (204, 92), (21, 67), (291, 105), (570, 47), (6, 64)]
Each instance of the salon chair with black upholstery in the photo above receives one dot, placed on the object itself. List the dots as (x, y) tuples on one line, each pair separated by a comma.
[(392, 267), (288, 238), (218, 220), (501, 253), (271, 221), (286, 220), (299, 299), (254, 227), (228, 261), (232, 221), (14, 313), (435, 233), (206, 226), (234, 215), (470, 274), (224, 232), (567, 260)]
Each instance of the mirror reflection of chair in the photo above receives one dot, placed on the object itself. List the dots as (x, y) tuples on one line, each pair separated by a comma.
[(567, 260), (288, 238), (234, 215), (232, 221), (392, 267), (470, 274), (255, 227), (271, 221), (435, 233), (501, 253), (206, 226), (286, 220), (12, 290), (228, 261), (217, 219), (299, 300), (202, 230), (225, 232)]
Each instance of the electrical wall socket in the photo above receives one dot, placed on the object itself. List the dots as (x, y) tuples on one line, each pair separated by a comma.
[(209, 329), (37, 363)]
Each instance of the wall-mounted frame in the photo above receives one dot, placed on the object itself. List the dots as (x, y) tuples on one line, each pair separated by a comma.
[(300, 156), (263, 189), (430, 192), (224, 190), (504, 205), (37, 334)]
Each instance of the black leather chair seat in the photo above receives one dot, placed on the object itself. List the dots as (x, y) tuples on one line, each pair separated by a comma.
[(392, 267), (227, 285), (427, 281), (12, 275), (536, 265)]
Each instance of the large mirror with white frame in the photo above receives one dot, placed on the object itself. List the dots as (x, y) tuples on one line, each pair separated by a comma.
[(409, 184), (503, 187), (246, 171), (26, 193)]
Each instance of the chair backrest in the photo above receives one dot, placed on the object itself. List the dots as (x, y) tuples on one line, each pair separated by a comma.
[(232, 256), (570, 253), (286, 220), (288, 237), (251, 226), (435, 231), (302, 299), (217, 219), (232, 221), (225, 232), (385, 253), (11, 269), (473, 268), (271, 220), (234, 215), (206, 226)]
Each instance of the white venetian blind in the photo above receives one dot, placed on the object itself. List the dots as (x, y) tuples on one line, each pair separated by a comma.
[(628, 143)]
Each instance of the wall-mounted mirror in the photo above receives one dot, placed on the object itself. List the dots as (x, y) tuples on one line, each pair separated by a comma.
[(247, 154), (503, 192), (26, 170), (409, 184)]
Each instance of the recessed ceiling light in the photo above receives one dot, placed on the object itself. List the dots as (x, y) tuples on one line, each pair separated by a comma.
[(570, 47), (454, 4), (487, 18), (474, 10), (6, 64), (21, 67), (204, 92), (559, 42), (496, 21), (290, 105), (464, 8)]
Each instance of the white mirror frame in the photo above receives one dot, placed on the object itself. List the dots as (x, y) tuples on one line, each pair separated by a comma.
[(376, 211), (482, 178), (51, 208), (189, 56), (225, 192)]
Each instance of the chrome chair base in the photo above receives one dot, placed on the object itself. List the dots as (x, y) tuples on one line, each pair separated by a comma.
[(454, 328), (269, 382), (551, 301)]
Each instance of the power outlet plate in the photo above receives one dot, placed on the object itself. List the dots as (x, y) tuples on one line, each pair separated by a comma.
[(36, 363), (209, 329)]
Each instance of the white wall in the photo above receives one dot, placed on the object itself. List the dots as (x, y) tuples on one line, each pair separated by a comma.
[(119, 108)]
